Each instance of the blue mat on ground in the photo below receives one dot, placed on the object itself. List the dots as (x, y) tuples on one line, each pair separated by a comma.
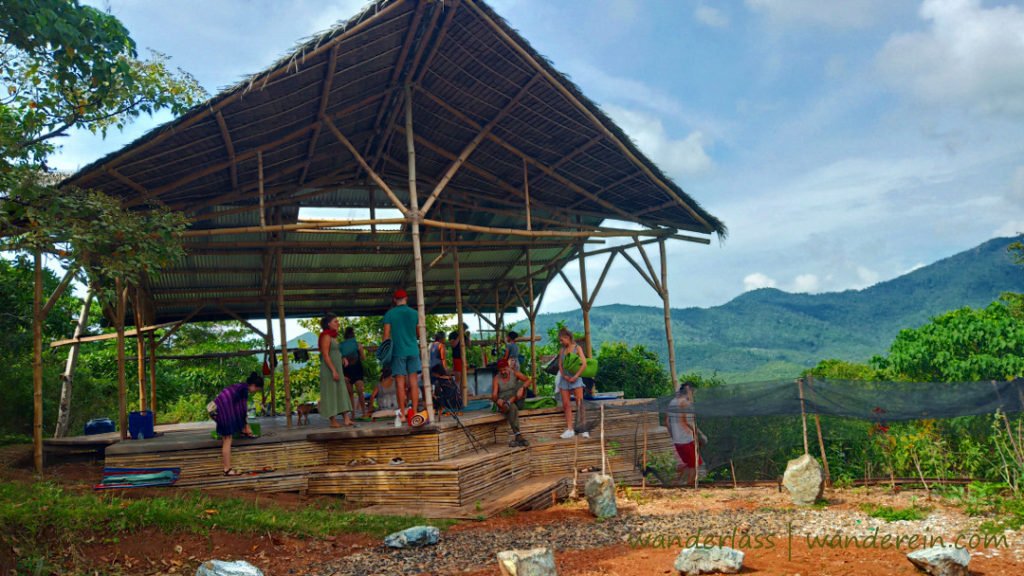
[(137, 477), (477, 405)]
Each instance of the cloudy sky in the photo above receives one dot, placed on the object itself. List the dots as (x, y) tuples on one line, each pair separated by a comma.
[(843, 143)]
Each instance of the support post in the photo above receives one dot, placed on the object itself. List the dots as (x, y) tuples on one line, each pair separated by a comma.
[(585, 302), (271, 360), (284, 338), (67, 378), (140, 350), (464, 369), (37, 364), (152, 375), (259, 167), (532, 311), (803, 412), (415, 216), (122, 393), (668, 313)]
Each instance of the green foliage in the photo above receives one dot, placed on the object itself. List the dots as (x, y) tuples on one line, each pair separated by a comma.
[(69, 66), (895, 514), (843, 370), (966, 345), (636, 371), (30, 511)]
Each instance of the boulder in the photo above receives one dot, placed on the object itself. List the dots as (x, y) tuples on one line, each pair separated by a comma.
[(533, 562), (945, 560), (804, 479), (223, 568), (709, 560), (415, 536), (600, 491)]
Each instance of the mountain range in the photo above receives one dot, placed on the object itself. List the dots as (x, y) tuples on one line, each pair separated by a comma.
[(768, 333)]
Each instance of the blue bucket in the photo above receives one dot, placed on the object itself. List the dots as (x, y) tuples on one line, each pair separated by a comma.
[(140, 425)]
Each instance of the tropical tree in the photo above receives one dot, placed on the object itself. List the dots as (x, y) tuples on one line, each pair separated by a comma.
[(959, 346), (65, 66)]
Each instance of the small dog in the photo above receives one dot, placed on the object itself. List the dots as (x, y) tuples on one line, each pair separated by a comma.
[(304, 410)]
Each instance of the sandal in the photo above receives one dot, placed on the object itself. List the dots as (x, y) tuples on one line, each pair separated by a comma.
[(396, 461), (232, 472)]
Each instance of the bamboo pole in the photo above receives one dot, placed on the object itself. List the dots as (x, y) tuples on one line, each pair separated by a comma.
[(803, 412), (463, 369), (532, 309), (643, 461), (604, 458), (362, 162), (152, 375), (259, 168), (668, 313), (37, 364), (122, 393), (417, 255), (585, 301), (284, 339), (140, 352), (821, 447), (68, 377), (541, 233), (271, 359), (317, 224)]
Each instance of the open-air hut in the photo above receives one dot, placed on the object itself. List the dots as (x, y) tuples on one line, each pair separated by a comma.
[(475, 170)]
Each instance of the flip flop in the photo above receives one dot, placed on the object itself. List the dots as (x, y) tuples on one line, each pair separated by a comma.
[(396, 461), (232, 472)]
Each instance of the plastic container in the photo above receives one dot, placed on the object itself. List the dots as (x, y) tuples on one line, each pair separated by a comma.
[(140, 425), (99, 426)]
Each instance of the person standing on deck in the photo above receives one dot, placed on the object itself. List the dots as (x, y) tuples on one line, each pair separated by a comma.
[(511, 351), (353, 355), (334, 396), (401, 327), (570, 383), (438, 359)]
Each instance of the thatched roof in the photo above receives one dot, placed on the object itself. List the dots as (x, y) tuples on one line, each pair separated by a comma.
[(477, 87)]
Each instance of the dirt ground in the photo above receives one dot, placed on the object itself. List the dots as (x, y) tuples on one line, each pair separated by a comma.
[(753, 510)]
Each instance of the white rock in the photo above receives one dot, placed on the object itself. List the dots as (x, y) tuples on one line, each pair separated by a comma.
[(709, 560), (804, 479), (533, 562), (945, 560), (222, 568)]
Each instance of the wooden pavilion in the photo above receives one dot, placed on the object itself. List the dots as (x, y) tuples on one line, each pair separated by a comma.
[(475, 173)]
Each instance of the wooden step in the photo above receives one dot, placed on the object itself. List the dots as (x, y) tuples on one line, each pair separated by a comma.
[(535, 493)]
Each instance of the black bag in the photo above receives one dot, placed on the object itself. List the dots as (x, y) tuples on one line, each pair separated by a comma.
[(552, 367)]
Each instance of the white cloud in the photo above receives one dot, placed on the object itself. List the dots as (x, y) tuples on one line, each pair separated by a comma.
[(757, 280), (913, 268), (678, 156), (806, 283), (1010, 228), (844, 14), (867, 276), (969, 56), (712, 17)]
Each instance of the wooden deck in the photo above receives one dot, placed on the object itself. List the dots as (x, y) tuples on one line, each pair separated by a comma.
[(441, 474)]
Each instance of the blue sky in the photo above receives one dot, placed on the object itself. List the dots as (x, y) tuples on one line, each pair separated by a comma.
[(843, 143)]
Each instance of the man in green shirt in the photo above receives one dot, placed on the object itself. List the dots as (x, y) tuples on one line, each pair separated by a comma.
[(400, 325)]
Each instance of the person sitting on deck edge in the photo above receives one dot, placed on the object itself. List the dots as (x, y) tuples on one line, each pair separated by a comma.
[(508, 391)]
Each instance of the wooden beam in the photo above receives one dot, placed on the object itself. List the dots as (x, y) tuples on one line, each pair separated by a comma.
[(229, 146), (179, 324), (647, 261), (301, 225), (668, 316), (483, 132), (242, 320), (641, 271), (571, 98), (100, 337), (325, 93), (600, 281), (572, 288), (311, 247), (146, 194), (284, 339), (540, 165), (359, 158)]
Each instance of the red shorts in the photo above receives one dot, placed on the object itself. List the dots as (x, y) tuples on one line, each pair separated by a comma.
[(457, 365), (688, 454)]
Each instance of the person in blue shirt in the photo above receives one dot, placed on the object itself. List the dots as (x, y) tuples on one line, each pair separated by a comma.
[(511, 355), (401, 327)]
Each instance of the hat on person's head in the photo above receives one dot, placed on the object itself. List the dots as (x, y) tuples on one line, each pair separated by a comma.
[(502, 364), (400, 293)]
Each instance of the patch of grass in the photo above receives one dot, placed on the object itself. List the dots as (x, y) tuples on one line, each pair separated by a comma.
[(820, 504), (38, 515), (8, 439), (892, 514)]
